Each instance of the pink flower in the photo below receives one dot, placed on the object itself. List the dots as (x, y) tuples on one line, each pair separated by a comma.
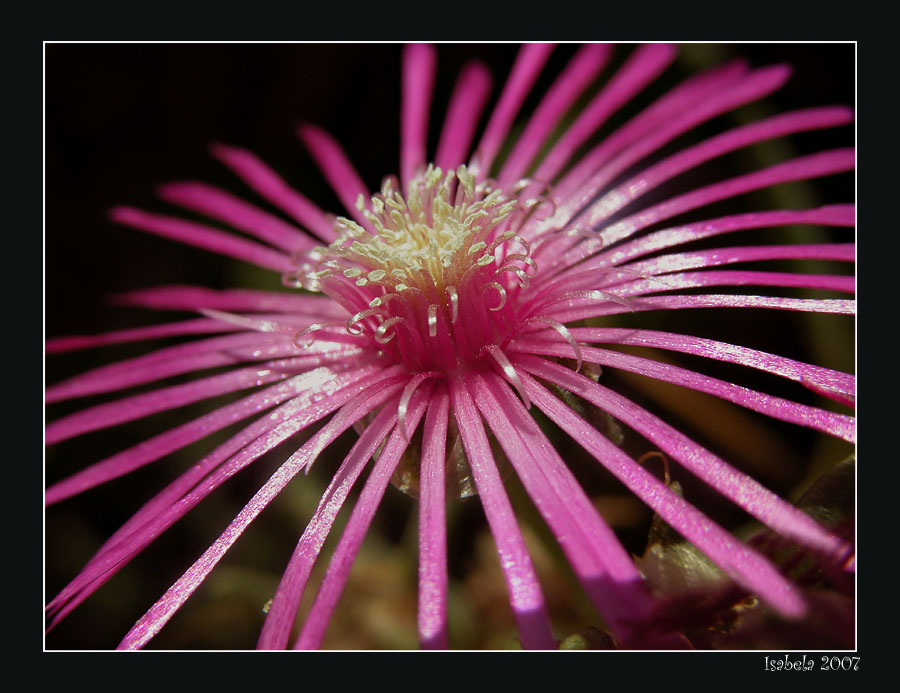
[(445, 311)]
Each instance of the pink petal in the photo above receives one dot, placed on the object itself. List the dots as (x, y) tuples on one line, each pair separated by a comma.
[(419, 65), (804, 373), (160, 445), (203, 478), (801, 168), (138, 406), (369, 499), (742, 563), (273, 188), (195, 297), (150, 624), (277, 627), (529, 62), (577, 76), (466, 104), (524, 590), (432, 621), (604, 568), (738, 487), (635, 139), (173, 329), (191, 233), (338, 170), (838, 425), (738, 138), (155, 366), (643, 66), (218, 204)]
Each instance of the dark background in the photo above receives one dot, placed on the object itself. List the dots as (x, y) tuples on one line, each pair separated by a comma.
[(122, 118)]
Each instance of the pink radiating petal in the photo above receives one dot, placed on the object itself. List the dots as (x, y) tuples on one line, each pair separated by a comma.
[(276, 630), (804, 373), (145, 369), (838, 425), (419, 65), (604, 306), (273, 188), (585, 253), (225, 207), (465, 108), (675, 262), (339, 172), (203, 478), (174, 329), (138, 406), (432, 612), (201, 236), (529, 62), (150, 624), (635, 139), (195, 297), (691, 280), (801, 168), (740, 562), (738, 487), (738, 138), (577, 76), (158, 446), (369, 499), (525, 594), (604, 568), (642, 67), (831, 215)]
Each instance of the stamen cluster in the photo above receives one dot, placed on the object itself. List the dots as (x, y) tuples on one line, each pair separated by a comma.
[(428, 276)]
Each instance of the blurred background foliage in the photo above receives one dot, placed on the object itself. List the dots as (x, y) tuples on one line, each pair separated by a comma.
[(121, 119)]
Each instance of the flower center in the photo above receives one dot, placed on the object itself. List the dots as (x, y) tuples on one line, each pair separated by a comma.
[(432, 277)]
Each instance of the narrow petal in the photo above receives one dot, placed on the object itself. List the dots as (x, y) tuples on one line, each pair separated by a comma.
[(524, 590), (191, 233), (432, 619), (839, 425), (179, 497), (369, 499), (739, 561), (218, 204), (605, 306), (466, 104), (273, 188), (644, 65), (738, 138), (577, 76), (591, 254), (160, 445), (743, 490), (173, 329), (339, 172), (149, 368), (640, 130), (604, 568), (802, 168), (804, 373), (419, 65), (138, 406), (529, 63), (832, 215), (691, 280), (150, 624), (283, 611), (193, 298), (730, 94)]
